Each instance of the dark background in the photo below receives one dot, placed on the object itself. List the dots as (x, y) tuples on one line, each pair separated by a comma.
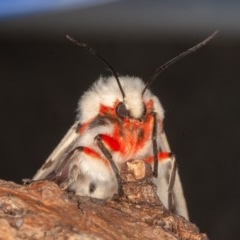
[(42, 76)]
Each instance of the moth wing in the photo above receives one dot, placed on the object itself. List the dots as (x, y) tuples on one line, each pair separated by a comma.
[(179, 201), (59, 154)]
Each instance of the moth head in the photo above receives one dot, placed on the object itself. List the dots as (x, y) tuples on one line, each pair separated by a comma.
[(131, 108), (132, 105), (105, 93)]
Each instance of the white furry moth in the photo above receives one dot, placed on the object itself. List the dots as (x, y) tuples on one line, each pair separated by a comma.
[(118, 119)]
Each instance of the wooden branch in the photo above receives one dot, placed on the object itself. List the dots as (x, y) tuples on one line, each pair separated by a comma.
[(41, 210)]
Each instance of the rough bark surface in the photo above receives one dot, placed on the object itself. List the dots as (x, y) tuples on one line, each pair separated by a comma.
[(41, 210)]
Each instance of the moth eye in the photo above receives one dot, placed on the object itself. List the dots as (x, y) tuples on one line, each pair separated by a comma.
[(144, 110), (121, 110)]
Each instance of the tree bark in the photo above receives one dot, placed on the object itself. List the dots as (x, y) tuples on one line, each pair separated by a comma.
[(41, 210)]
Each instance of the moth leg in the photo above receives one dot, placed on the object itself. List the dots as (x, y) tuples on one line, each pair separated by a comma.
[(155, 147), (108, 155), (176, 195), (173, 168), (171, 182), (166, 177)]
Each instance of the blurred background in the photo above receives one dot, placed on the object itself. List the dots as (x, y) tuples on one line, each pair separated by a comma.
[(43, 75)]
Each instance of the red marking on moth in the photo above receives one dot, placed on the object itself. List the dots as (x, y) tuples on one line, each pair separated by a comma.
[(132, 135), (111, 142), (103, 109), (149, 106), (94, 155), (162, 156), (106, 110), (82, 128), (90, 152)]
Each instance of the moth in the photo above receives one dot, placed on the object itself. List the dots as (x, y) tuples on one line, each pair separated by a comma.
[(118, 119)]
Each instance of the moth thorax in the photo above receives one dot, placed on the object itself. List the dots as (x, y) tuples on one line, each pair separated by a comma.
[(134, 105)]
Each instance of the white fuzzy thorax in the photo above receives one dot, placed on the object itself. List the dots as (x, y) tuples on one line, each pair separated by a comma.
[(106, 91)]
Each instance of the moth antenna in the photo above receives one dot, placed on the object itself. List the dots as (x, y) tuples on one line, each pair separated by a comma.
[(95, 53), (176, 59)]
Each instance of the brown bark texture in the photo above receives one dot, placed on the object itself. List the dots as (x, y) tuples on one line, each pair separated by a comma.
[(41, 210)]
